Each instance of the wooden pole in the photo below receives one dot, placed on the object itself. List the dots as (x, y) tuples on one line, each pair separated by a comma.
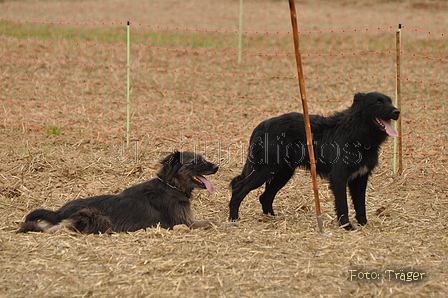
[(306, 115)]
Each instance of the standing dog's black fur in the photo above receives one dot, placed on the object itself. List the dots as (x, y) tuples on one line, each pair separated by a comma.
[(164, 200), (346, 147)]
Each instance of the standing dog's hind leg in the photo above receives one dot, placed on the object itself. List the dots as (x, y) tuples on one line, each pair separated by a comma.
[(272, 188), (240, 191)]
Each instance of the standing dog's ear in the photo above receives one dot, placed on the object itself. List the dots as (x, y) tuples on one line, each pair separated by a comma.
[(358, 96), (171, 164)]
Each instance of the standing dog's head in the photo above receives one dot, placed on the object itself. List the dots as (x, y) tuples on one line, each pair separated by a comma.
[(186, 170), (377, 107)]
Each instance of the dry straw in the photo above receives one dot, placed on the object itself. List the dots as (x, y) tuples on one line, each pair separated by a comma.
[(280, 256)]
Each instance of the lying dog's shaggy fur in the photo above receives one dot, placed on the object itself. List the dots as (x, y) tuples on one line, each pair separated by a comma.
[(164, 200), (346, 147)]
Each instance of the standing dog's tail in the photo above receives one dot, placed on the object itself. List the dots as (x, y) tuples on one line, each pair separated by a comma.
[(247, 171), (87, 220)]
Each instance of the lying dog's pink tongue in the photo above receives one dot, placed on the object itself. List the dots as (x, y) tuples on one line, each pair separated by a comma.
[(390, 130), (208, 184)]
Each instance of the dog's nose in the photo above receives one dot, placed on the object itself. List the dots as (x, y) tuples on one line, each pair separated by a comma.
[(215, 168), (396, 113)]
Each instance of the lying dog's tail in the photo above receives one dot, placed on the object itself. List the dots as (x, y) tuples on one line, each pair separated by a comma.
[(40, 220), (87, 220)]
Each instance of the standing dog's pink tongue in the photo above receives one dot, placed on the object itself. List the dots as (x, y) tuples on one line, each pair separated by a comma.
[(208, 184), (389, 128)]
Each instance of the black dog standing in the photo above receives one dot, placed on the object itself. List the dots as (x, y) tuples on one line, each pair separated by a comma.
[(346, 147)]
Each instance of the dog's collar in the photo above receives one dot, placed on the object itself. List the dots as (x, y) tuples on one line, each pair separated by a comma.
[(172, 186)]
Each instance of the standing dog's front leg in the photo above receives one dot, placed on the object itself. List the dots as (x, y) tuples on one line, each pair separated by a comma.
[(357, 188), (338, 184)]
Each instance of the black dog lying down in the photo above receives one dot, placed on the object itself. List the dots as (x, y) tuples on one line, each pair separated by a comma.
[(164, 200), (346, 147)]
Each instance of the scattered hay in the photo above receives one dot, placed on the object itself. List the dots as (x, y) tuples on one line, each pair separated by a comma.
[(282, 256)]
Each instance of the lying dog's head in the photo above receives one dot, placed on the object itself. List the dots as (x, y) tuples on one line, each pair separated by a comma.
[(377, 107), (186, 170)]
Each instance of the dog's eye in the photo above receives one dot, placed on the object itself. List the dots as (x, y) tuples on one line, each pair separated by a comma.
[(379, 102), (194, 163)]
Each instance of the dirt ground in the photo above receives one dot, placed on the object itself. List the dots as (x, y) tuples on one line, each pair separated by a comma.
[(402, 252)]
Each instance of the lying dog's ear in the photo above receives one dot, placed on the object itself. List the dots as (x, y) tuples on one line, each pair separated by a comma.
[(173, 158), (358, 96), (171, 164)]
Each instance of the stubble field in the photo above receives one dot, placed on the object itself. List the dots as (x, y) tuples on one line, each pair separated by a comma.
[(402, 252)]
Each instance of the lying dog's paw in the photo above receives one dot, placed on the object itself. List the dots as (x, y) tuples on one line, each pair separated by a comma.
[(181, 228)]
